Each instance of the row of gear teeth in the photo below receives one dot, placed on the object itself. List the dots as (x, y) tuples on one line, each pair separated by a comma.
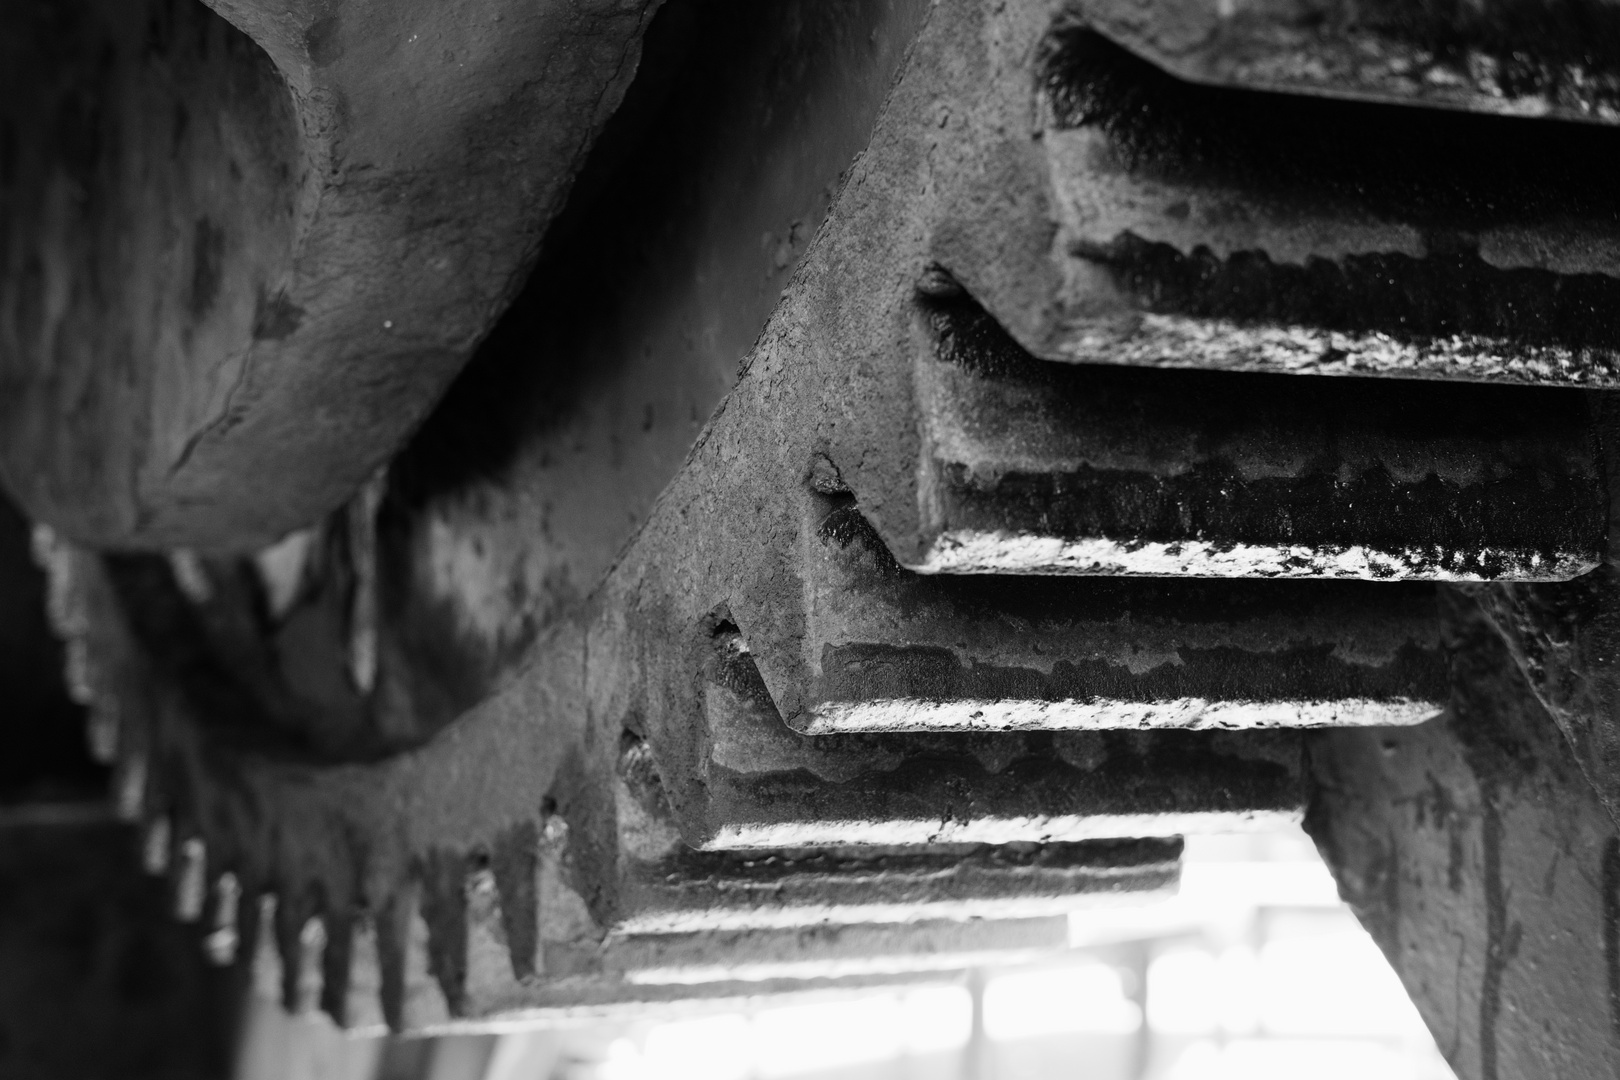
[(363, 970)]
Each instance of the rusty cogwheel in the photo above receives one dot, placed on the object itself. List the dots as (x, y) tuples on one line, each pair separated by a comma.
[(943, 455)]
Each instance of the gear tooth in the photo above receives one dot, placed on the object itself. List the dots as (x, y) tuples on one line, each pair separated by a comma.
[(223, 940), (334, 966), (516, 866), (411, 996), (361, 513), (77, 670), (300, 939), (70, 612), (72, 587), (259, 928), (101, 729), (66, 594), (567, 927), (425, 1002), (286, 927), (444, 907), (490, 973), (363, 1007), (283, 570), (393, 934), (311, 960), (191, 575), (191, 879), (129, 787), (155, 846)]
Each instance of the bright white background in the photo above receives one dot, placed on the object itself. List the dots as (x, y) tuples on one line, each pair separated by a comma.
[(1253, 971)]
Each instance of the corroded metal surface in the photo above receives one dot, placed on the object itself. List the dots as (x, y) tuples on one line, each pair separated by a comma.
[(766, 786), (259, 243), (832, 950), (1486, 869), (505, 512), (887, 649), (1031, 467), (1160, 224), (582, 754), (690, 890), (399, 899), (1513, 57), (1563, 638), (456, 752)]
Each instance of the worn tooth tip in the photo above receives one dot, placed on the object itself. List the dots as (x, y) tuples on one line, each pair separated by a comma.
[(76, 671), (307, 984), (393, 928), (131, 794), (191, 575), (102, 730), (363, 607), (221, 943), (191, 887), (282, 568), (155, 849), (336, 968), (516, 866), (266, 967), (64, 595), (42, 543)]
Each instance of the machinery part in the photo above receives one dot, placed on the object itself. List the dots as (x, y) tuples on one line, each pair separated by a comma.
[(762, 785), (1153, 223), (384, 911), (1500, 56), (1562, 638), (689, 891), (258, 240), (179, 633), (562, 640), (888, 650), (833, 951), (1029, 467), (45, 756)]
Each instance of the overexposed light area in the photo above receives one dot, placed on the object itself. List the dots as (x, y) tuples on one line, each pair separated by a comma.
[(1184, 992), (700, 1048), (1224, 879), (1299, 1059), (794, 1040), (799, 1039), (1254, 971), (1335, 982), (1084, 997), (935, 1018)]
